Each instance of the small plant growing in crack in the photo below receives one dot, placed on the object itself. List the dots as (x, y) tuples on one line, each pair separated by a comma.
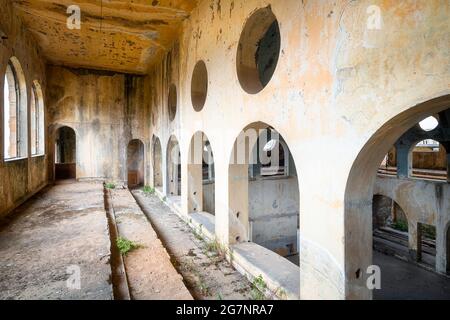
[(281, 293), (198, 234), (110, 185), (216, 247), (125, 246), (148, 190), (164, 199), (203, 287), (259, 286)]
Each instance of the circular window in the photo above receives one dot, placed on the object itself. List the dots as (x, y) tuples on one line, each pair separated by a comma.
[(429, 124), (199, 86), (258, 50), (172, 101)]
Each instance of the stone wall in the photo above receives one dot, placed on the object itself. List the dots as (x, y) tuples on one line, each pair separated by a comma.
[(106, 110), (19, 178)]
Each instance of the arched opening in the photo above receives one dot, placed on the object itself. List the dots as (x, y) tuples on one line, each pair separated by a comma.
[(390, 238), (173, 170), (65, 154), (37, 120), (420, 198), (157, 164), (264, 192), (258, 50), (135, 163), (15, 122), (428, 160), (201, 182)]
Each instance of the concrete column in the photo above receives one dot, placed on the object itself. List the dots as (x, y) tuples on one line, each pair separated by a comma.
[(448, 167), (172, 183), (157, 165), (414, 237), (441, 248), (221, 199), (195, 188), (238, 202), (165, 171), (447, 251), (404, 162)]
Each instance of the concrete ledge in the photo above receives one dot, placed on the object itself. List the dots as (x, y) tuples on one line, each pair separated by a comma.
[(281, 276), (205, 222)]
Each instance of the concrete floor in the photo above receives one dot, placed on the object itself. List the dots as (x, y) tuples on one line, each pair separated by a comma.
[(63, 227), (401, 280), (66, 225)]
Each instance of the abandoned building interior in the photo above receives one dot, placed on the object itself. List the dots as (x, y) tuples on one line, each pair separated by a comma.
[(306, 142)]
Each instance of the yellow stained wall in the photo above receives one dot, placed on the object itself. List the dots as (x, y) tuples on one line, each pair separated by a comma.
[(338, 82), (107, 110)]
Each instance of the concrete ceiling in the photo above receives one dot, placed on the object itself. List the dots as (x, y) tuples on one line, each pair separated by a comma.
[(117, 35)]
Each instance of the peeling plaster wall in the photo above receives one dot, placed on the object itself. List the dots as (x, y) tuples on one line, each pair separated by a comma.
[(423, 202), (106, 110), (336, 84), (273, 213), (19, 179)]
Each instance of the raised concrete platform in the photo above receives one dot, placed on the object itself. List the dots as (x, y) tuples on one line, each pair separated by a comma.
[(150, 273), (281, 276), (205, 222)]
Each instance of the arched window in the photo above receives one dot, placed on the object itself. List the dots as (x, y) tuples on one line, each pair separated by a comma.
[(14, 111), (37, 120)]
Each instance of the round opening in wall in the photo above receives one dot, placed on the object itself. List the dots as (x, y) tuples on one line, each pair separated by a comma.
[(172, 101), (258, 50), (199, 86), (429, 124)]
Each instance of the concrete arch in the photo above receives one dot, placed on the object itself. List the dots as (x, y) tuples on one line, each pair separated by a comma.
[(359, 192), (17, 135), (71, 169), (136, 163), (243, 155), (200, 153), (409, 217), (411, 156)]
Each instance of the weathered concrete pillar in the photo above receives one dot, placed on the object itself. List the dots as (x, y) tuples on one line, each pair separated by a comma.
[(221, 217), (448, 167), (404, 162), (238, 203), (172, 182), (447, 251), (165, 172), (414, 236), (195, 188), (441, 248)]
